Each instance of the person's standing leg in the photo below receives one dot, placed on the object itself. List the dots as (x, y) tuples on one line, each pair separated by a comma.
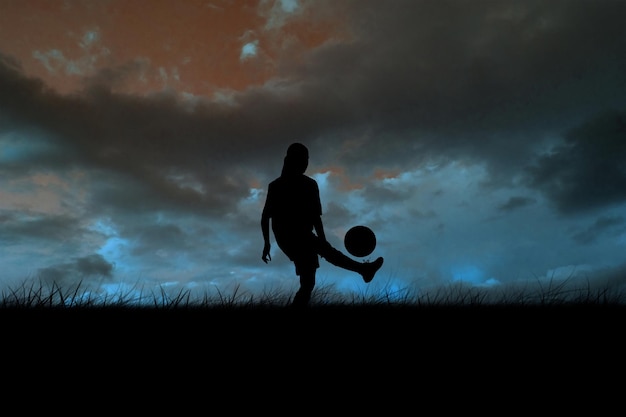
[(304, 256), (307, 283)]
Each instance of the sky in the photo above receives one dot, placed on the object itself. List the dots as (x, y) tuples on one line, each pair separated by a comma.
[(484, 142)]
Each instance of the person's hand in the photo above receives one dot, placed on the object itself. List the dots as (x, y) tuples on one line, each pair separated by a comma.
[(266, 253)]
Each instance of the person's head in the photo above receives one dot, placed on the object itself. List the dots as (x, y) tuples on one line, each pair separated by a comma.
[(297, 159)]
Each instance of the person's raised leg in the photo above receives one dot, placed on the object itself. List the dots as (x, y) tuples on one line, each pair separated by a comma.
[(338, 258)]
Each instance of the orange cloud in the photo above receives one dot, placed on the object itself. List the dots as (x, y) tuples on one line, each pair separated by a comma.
[(338, 175), (192, 46), (382, 174)]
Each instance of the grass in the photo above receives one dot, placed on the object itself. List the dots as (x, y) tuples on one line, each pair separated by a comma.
[(38, 296), (404, 318)]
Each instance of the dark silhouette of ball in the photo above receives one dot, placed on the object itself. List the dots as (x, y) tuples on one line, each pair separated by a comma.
[(360, 241)]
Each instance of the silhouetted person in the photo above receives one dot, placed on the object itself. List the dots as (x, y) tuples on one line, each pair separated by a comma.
[(294, 207)]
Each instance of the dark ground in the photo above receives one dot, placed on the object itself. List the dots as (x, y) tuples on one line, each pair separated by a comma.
[(352, 359), (399, 327)]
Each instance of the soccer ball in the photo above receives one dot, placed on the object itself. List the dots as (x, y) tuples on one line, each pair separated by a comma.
[(360, 241)]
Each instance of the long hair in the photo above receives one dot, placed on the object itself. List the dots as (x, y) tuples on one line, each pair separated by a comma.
[(296, 160)]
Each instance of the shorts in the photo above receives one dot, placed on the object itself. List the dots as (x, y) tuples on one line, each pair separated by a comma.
[(303, 252)]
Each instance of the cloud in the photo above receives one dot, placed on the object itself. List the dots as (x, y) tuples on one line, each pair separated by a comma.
[(17, 227), (277, 12), (55, 61), (587, 170), (70, 274), (432, 93), (505, 63), (515, 203), (613, 225), (248, 50)]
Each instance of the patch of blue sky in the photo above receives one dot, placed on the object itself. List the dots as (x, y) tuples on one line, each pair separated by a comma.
[(323, 185), (322, 180), (104, 226), (327, 191), (12, 152), (52, 60), (352, 288), (186, 181), (473, 275), (114, 248), (362, 209), (404, 179), (15, 148), (289, 6), (249, 50), (280, 12), (255, 195), (469, 274), (353, 200), (89, 38)]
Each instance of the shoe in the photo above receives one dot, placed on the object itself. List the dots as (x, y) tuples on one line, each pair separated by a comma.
[(370, 269)]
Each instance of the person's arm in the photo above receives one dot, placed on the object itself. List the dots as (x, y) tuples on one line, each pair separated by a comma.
[(319, 228), (265, 229), (317, 212)]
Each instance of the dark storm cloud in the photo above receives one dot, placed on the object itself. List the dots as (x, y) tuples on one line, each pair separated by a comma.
[(470, 63), (336, 215), (515, 203), (589, 169), (153, 144), (71, 273), (18, 227), (442, 80), (388, 195), (464, 77), (613, 225), (93, 265), (149, 238)]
